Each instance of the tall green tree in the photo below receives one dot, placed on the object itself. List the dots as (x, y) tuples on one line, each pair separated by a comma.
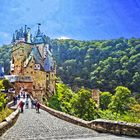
[(105, 99), (83, 106), (61, 100), (121, 100)]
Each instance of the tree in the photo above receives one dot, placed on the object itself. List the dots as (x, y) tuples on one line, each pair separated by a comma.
[(136, 81), (135, 109), (6, 84), (2, 101), (83, 106), (121, 101), (61, 100), (105, 99)]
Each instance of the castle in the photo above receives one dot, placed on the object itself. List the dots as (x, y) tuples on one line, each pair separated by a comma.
[(32, 63)]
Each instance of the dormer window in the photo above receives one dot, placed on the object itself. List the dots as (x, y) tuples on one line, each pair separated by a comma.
[(37, 67)]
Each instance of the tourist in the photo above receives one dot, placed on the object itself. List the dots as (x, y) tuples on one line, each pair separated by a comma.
[(23, 95), (18, 96), (15, 100), (37, 106), (27, 96), (26, 103), (21, 105)]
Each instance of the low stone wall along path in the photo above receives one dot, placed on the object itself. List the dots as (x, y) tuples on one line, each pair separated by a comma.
[(43, 126)]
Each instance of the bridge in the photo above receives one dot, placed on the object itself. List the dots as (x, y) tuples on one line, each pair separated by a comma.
[(44, 126)]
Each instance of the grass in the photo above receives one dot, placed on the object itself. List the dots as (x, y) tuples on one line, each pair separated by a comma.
[(5, 113)]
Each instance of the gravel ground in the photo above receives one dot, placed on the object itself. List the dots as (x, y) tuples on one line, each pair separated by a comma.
[(43, 126)]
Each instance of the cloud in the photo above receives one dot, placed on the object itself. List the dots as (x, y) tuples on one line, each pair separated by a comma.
[(63, 37), (5, 38), (4, 34)]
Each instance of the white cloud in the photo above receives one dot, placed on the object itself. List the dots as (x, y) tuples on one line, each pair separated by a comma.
[(5, 38), (63, 37), (5, 35)]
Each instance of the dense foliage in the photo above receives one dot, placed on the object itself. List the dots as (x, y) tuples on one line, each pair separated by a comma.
[(4, 98), (79, 104), (4, 111), (2, 101), (118, 106), (103, 64)]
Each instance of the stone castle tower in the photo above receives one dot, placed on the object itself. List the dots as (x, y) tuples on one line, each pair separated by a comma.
[(32, 63)]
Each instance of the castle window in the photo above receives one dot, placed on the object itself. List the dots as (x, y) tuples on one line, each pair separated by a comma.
[(37, 67), (31, 72), (52, 75), (33, 86), (47, 75)]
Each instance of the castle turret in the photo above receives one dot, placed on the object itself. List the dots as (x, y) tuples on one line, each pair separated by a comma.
[(39, 38), (25, 33), (38, 31), (13, 39), (28, 35)]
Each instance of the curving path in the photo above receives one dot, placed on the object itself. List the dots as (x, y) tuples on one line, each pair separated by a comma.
[(43, 126)]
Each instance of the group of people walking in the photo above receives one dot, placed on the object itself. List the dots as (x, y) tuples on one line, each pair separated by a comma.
[(24, 99), (34, 104)]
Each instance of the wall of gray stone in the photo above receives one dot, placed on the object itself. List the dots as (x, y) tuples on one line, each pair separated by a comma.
[(9, 121), (117, 128)]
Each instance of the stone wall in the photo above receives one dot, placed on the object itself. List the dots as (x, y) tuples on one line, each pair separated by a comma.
[(8, 122), (118, 128), (114, 127)]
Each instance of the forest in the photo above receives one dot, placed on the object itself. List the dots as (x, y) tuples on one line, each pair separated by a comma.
[(100, 64)]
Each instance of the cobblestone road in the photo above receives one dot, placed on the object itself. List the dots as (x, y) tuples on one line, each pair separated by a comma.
[(43, 126)]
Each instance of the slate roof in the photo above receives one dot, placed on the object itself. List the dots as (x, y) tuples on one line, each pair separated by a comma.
[(45, 60), (46, 64)]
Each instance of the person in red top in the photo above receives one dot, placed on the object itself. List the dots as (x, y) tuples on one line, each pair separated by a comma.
[(21, 105), (37, 106)]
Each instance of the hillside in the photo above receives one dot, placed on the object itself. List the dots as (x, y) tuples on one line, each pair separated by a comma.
[(103, 64)]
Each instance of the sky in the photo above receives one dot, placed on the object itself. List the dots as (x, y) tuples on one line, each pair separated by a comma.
[(76, 19)]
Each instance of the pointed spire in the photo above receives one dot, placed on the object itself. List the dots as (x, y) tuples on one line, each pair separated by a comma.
[(21, 32), (31, 38), (13, 39), (25, 33), (25, 29), (16, 34), (38, 31)]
